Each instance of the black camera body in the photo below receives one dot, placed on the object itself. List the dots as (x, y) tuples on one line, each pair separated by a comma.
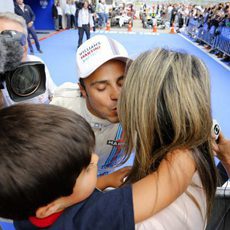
[(27, 81), (23, 80)]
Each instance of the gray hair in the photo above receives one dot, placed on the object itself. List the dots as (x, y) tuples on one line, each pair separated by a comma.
[(14, 18)]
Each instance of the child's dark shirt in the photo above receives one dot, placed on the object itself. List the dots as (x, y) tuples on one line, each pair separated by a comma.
[(102, 210)]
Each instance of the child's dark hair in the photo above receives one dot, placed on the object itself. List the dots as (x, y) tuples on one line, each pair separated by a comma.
[(43, 149)]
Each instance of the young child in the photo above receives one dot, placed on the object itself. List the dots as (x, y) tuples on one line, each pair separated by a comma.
[(49, 172)]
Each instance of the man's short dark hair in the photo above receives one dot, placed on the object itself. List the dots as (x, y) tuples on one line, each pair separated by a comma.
[(81, 81), (43, 150)]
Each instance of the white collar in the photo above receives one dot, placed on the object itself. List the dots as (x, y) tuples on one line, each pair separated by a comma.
[(95, 122)]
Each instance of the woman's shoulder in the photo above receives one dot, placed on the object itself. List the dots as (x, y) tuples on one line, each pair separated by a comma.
[(186, 212)]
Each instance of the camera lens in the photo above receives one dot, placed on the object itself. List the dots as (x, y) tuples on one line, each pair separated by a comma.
[(25, 81)]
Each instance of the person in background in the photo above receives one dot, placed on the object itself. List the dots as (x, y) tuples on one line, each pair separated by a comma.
[(173, 15), (55, 15), (11, 21), (78, 6), (101, 14), (131, 13), (172, 113), (68, 14), (60, 13), (92, 9), (27, 13), (85, 22), (73, 12), (106, 13)]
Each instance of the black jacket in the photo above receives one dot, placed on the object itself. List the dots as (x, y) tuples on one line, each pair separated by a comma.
[(27, 14), (54, 11)]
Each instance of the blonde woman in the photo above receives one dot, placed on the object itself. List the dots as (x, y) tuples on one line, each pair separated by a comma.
[(165, 106)]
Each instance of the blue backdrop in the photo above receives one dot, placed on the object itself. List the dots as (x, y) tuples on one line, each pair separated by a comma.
[(43, 12)]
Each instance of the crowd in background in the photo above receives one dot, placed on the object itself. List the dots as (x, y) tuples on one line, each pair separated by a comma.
[(101, 12), (209, 25)]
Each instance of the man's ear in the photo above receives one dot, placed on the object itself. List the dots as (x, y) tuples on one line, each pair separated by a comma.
[(82, 89), (48, 210)]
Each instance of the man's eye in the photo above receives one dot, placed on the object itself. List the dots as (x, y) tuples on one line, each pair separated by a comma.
[(101, 89), (120, 82)]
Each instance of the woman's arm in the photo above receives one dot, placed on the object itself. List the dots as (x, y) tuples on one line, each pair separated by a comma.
[(159, 189)]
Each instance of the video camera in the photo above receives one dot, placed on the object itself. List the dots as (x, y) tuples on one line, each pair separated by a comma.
[(23, 80)]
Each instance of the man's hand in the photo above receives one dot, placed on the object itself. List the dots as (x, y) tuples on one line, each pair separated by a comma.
[(114, 179), (30, 24), (222, 149)]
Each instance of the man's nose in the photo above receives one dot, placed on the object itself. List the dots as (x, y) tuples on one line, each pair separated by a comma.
[(115, 92)]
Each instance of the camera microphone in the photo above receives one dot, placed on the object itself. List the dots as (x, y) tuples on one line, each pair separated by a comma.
[(11, 53)]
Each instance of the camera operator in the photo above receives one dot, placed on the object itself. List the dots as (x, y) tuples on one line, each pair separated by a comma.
[(11, 23)]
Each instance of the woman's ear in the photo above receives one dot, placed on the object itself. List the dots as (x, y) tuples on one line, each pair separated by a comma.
[(48, 210)]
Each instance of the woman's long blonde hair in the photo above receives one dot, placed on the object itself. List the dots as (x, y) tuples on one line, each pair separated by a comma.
[(165, 105)]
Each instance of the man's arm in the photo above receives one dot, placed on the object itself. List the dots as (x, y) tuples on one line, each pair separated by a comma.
[(159, 189), (32, 15), (114, 180)]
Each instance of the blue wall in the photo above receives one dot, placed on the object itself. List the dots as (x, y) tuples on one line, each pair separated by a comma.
[(44, 20)]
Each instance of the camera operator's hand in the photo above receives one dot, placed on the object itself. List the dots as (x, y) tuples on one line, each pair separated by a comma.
[(222, 149)]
